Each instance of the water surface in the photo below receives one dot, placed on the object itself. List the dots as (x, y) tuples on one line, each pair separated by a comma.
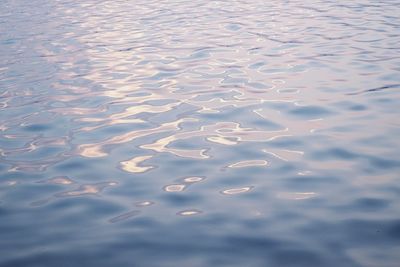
[(199, 133)]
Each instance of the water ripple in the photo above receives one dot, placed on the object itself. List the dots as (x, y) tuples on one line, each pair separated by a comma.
[(199, 133)]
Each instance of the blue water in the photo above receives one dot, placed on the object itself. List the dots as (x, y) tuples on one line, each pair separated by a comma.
[(199, 133)]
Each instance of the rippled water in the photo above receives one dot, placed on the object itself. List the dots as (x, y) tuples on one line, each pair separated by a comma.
[(200, 133)]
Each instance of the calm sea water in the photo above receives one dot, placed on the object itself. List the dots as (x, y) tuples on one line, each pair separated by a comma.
[(199, 133)]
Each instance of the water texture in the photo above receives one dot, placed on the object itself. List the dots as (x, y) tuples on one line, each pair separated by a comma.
[(199, 133)]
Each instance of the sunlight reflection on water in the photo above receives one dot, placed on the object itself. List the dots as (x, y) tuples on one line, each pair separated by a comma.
[(199, 133)]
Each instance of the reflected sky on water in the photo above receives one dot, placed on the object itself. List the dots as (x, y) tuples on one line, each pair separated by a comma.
[(199, 133)]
